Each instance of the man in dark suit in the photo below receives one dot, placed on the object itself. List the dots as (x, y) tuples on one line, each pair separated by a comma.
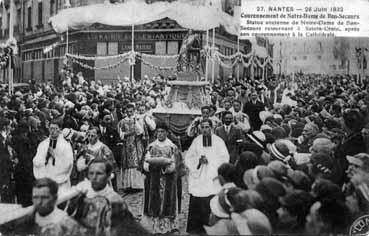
[(110, 136), (252, 109), (265, 99), (231, 135)]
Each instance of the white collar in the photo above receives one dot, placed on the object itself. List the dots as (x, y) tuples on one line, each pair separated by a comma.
[(91, 193), (53, 218), (166, 142)]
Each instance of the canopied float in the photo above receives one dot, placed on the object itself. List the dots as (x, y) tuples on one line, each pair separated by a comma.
[(188, 92)]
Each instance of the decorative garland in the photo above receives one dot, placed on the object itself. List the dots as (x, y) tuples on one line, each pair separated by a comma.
[(152, 56), (44, 59), (224, 64), (108, 67), (246, 64), (262, 65), (50, 47), (172, 68), (94, 58), (208, 52)]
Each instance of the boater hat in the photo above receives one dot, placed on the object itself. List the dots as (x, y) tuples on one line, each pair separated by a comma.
[(220, 205)]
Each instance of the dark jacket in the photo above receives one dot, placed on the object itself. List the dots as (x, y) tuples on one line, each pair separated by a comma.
[(352, 145), (253, 110), (6, 169), (111, 138), (231, 140)]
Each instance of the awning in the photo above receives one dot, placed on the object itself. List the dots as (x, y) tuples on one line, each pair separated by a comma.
[(138, 13)]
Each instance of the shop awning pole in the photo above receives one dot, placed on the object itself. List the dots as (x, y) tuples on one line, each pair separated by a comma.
[(67, 43), (206, 56), (132, 50), (213, 61), (11, 55), (238, 63)]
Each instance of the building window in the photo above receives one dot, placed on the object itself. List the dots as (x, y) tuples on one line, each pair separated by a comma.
[(112, 48), (52, 7), (319, 57), (173, 47), (304, 57), (29, 18), (102, 48), (294, 58), (40, 14), (160, 48)]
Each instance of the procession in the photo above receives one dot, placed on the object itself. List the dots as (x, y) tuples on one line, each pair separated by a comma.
[(155, 118)]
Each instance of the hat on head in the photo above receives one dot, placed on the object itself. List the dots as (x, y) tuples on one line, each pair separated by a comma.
[(271, 121), (297, 201), (265, 114), (265, 128), (253, 176), (290, 145), (279, 169), (257, 222), (361, 160), (278, 118), (278, 133), (67, 133), (252, 147), (280, 151), (299, 180), (322, 145), (18, 94), (220, 205), (248, 160), (162, 125), (222, 227), (258, 138), (270, 186)]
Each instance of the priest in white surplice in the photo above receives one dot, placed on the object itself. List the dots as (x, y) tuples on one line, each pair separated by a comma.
[(206, 154), (54, 158)]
